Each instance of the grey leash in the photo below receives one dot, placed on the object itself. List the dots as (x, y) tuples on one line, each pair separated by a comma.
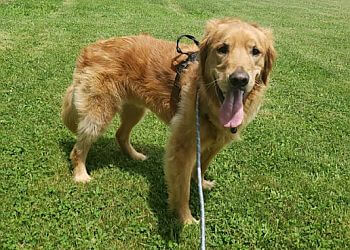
[(199, 172), (175, 95)]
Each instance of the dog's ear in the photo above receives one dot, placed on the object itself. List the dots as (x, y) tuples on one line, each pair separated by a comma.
[(205, 43), (270, 56)]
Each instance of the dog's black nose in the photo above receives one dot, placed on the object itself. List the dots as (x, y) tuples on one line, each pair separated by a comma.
[(239, 78)]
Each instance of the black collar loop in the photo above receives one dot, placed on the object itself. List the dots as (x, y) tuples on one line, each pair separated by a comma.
[(189, 37)]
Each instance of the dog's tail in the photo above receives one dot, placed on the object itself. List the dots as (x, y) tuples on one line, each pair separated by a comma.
[(69, 113)]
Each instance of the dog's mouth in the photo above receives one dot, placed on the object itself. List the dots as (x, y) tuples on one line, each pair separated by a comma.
[(231, 110)]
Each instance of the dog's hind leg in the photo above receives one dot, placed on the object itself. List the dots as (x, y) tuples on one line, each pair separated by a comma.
[(130, 116), (89, 128), (95, 113), (78, 157)]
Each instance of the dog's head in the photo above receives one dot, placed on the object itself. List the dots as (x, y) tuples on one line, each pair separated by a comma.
[(234, 55)]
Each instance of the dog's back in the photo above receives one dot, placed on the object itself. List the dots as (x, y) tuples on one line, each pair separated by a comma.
[(137, 69)]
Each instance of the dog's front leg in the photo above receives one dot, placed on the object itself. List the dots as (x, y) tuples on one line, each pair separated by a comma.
[(179, 161), (206, 157)]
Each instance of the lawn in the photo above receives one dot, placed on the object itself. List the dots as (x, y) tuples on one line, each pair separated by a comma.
[(285, 185)]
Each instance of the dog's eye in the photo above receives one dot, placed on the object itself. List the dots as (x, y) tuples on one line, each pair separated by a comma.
[(255, 51), (223, 49)]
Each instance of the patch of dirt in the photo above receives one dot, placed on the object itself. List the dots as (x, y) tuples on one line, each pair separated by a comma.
[(5, 40)]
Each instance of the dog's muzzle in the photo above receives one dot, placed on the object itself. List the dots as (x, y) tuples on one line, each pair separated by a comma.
[(219, 94), (239, 79)]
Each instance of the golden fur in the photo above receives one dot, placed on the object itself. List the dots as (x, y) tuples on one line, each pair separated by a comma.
[(129, 75)]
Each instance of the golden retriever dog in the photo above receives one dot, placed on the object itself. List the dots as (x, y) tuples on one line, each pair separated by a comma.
[(130, 75)]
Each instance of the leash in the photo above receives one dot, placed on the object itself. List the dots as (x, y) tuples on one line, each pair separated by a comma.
[(175, 98), (199, 172)]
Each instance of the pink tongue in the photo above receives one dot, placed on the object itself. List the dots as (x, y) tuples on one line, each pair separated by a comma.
[(231, 111)]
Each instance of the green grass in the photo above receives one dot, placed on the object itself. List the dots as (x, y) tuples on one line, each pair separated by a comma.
[(286, 185)]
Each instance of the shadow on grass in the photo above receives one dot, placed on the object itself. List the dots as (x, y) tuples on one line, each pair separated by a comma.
[(104, 152)]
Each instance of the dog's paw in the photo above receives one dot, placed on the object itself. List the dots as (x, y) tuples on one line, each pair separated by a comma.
[(138, 156), (189, 221), (82, 178), (208, 185)]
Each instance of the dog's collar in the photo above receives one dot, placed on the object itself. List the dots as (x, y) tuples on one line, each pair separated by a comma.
[(191, 57)]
